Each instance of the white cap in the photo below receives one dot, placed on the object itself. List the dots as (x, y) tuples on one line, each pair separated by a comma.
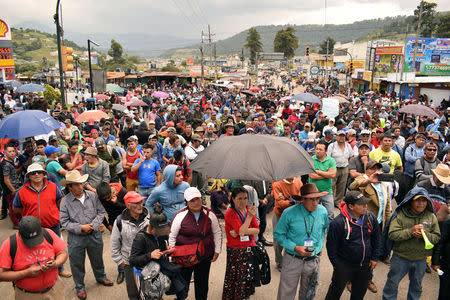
[(191, 193)]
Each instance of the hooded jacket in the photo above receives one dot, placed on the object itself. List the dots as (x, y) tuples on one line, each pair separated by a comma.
[(350, 243), (169, 196), (398, 233)]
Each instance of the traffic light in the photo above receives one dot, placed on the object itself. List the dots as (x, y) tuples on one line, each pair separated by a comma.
[(67, 58), (351, 67), (307, 50)]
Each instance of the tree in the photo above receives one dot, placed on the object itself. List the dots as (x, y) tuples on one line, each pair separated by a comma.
[(254, 44), (170, 67), (51, 95), (428, 21), (285, 41), (443, 27), (323, 46), (115, 51)]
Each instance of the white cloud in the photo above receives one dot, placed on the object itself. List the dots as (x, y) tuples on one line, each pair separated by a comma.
[(187, 17)]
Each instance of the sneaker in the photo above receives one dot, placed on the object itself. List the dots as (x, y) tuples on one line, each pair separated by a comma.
[(372, 287)]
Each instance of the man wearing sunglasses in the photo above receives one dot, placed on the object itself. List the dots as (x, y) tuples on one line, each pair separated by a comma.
[(424, 165), (40, 198)]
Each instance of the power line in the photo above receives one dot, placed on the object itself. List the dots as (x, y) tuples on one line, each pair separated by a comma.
[(201, 10), (185, 16), (195, 11)]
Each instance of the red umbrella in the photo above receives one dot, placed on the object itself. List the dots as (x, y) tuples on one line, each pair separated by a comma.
[(254, 89), (95, 115), (101, 97)]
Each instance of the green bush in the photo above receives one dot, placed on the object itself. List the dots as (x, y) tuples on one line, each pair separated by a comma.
[(51, 95)]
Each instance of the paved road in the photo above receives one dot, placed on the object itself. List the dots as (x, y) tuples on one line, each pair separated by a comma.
[(268, 292)]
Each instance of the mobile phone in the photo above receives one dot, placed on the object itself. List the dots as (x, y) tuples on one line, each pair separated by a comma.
[(309, 249), (386, 177)]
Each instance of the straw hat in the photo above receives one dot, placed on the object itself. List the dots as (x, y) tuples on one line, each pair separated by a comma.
[(74, 177), (442, 172)]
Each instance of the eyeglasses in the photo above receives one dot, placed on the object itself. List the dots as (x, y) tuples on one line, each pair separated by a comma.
[(36, 172), (431, 149)]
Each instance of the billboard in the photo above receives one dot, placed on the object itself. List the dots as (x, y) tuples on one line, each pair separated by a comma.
[(387, 60), (432, 56), (99, 80), (190, 62), (6, 53)]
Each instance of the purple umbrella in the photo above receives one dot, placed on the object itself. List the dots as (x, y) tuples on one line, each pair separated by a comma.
[(160, 95), (418, 109)]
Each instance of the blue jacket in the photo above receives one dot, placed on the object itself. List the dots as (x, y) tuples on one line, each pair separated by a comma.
[(352, 244), (160, 150), (171, 198), (412, 154)]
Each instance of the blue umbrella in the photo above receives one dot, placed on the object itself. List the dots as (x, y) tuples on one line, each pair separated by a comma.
[(27, 123), (307, 97), (12, 84), (31, 88)]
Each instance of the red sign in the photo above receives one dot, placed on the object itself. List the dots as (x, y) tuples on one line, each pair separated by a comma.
[(190, 61), (389, 50)]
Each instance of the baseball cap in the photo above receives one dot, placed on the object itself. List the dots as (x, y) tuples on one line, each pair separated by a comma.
[(132, 197), (365, 131), (199, 128), (30, 231), (355, 197), (329, 131), (171, 129), (91, 151), (210, 125), (372, 164), (132, 138), (49, 150), (39, 159), (341, 132), (151, 122), (364, 144), (99, 142), (196, 137), (191, 193), (250, 129), (269, 120)]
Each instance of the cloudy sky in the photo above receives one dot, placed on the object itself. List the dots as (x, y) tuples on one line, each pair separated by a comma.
[(186, 18)]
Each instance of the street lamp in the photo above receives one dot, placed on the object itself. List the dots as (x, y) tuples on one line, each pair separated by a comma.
[(91, 82)]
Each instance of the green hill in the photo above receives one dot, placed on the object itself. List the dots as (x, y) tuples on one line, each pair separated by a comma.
[(308, 35), (32, 49)]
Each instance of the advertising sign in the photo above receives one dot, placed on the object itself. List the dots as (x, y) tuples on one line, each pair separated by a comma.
[(432, 56), (357, 64), (387, 62), (190, 62), (6, 53), (314, 70), (390, 50)]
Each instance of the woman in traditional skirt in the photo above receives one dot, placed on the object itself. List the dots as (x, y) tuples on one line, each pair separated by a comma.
[(240, 227)]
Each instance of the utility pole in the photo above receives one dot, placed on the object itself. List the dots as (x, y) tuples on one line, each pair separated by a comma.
[(202, 64), (210, 45), (215, 60), (326, 64), (242, 58), (404, 52), (417, 36), (58, 41)]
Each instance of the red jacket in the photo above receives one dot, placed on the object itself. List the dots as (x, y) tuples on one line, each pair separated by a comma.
[(42, 204)]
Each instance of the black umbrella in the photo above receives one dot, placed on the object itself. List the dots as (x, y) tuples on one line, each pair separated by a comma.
[(253, 157), (248, 93)]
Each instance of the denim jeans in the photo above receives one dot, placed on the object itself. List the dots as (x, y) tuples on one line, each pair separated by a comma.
[(145, 192), (328, 203), (398, 269)]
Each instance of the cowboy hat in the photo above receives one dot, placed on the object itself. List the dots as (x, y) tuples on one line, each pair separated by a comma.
[(442, 172), (74, 177), (310, 190)]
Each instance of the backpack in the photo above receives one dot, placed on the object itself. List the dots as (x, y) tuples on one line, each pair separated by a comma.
[(13, 244)]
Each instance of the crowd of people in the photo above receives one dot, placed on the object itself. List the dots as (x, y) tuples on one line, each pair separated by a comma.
[(386, 173)]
